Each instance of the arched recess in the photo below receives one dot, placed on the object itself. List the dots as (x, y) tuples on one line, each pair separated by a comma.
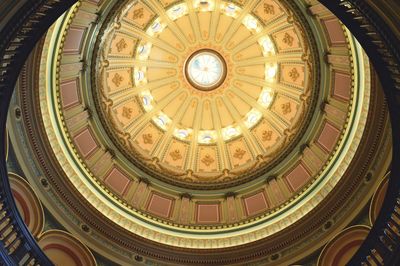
[(28, 204), (64, 249), (341, 248)]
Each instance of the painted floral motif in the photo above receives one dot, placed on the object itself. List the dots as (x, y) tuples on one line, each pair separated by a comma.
[(288, 39), (147, 138), (267, 135), (207, 160), (127, 112), (175, 155), (294, 74), (239, 153), (286, 108), (121, 45), (138, 13), (269, 9), (117, 79)]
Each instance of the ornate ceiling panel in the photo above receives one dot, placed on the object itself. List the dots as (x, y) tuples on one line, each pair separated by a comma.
[(205, 92), (200, 124), (212, 106)]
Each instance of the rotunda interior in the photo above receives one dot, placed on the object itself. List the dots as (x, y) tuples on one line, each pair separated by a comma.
[(199, 132)]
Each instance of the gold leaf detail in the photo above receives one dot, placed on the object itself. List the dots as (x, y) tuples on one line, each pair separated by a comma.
[(294, 74), (269, 9), (127, 112), (288, 39), (117, 79), (138, 13), (176, 155), (267, 135), (147, 138), (121, 45), (207, 160), (239, 153), (286, 108)]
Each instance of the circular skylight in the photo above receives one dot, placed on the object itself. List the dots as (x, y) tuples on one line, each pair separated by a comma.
[(205, 70)]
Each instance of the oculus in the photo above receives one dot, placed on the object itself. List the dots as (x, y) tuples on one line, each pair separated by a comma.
[(205, 70)]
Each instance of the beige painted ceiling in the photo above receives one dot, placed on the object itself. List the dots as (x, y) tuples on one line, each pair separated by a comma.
[(214, 134)]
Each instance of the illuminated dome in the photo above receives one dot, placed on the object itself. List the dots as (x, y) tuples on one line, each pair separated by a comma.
[(194, 127), (205, 96)]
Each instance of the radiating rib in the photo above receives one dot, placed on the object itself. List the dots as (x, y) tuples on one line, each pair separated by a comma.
[(149, 115)]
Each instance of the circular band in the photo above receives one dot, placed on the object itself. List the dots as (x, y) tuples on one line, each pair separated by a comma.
[(205, 69)]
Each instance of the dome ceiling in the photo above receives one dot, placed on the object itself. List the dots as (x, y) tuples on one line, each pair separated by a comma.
[(204, 92), (199, 124), (227, 143)]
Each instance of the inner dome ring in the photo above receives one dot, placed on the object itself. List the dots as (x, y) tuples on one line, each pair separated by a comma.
[(167, 129), (205, 79)]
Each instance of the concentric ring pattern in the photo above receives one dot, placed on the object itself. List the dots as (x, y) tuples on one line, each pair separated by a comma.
[(177, 129), (205, 70), (206, 165)]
